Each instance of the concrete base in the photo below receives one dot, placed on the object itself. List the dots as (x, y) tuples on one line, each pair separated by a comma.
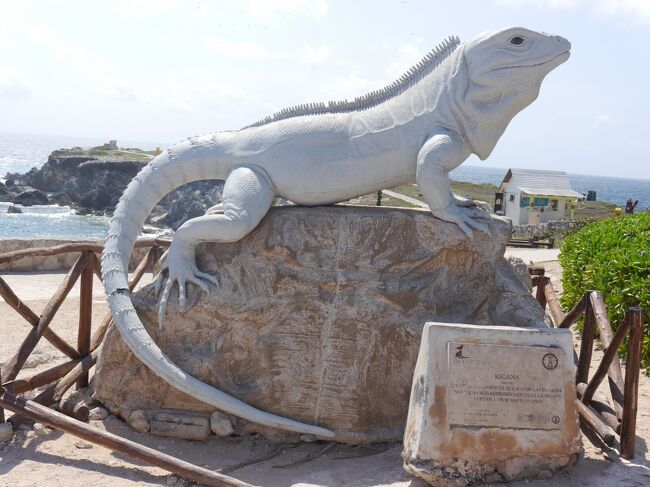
[(491, 404)]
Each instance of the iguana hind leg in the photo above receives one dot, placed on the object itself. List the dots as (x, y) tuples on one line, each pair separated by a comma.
[(247, 197)]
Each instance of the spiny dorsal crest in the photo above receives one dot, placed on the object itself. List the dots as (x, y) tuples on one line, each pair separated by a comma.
[(369, 100)]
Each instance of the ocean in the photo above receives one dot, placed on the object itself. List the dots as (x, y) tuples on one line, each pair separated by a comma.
[(18, 154), (612, 190), (21, 152)]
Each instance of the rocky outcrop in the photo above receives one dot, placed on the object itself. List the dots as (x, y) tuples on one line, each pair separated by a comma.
[(92, 181), (31, 197), (319, 315), (188, 201)]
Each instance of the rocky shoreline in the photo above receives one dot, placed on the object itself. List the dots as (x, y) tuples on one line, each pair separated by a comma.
[(92, 180)]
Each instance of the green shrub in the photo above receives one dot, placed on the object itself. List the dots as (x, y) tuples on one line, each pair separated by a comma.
[(611, 256)]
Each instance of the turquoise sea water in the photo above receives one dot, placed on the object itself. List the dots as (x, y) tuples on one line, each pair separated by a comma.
[(56, 222), (18, 154), (21, 152)]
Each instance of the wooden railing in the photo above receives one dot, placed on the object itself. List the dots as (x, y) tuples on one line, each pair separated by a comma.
[(606, 421), (595, 410), (83, 269), (56, 380)]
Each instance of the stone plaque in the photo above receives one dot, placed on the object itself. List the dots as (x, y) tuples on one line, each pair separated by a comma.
[(491, 404), (506, 386)]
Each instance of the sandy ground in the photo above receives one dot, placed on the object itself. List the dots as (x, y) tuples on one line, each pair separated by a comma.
[(58, 459), (533, 256)]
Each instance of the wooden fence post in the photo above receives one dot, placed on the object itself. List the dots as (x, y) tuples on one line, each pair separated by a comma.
[(553, 304), (632, 370), (101, 437), (606, 335), (540, 296), (2, 411), (587, 344), (14, 364), (606, 361), (85, 313)]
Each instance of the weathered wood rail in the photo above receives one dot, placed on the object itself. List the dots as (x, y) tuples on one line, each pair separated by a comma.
[(532, 243), (58, 379), (608, 421)]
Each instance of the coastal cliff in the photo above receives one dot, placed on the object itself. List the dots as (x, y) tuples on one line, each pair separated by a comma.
[(92, 180)]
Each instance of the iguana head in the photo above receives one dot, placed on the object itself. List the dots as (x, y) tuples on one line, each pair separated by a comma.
[(503, 73)]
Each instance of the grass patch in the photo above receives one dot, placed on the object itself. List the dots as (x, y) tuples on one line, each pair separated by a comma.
[(596, 210), (482, 192), (119, 154)]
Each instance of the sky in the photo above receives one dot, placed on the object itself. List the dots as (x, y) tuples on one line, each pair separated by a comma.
[(163, 70)]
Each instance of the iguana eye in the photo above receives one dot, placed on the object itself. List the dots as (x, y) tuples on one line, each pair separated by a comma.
[(517, 41)]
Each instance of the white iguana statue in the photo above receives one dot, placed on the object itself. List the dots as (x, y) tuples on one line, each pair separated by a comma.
[(458, 100)]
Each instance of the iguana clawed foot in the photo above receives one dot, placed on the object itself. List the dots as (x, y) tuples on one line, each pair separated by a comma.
[(453, 213), (179, 267)]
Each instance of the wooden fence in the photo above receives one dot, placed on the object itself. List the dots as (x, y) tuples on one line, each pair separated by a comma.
[(82, 356), (607, 421), (595, 411)]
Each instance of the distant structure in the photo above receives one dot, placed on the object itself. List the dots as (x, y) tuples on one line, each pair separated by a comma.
[(531, 196), (630, 206), (110, 145)]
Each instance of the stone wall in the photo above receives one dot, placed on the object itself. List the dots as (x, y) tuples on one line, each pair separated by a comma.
[(542, 229), (319, 314), (60, 262)]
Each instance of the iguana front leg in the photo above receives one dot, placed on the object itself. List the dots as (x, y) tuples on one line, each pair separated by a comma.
[(247, 196), (441, 153)]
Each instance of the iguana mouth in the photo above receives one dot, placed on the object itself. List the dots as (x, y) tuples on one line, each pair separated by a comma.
[(566, 53)]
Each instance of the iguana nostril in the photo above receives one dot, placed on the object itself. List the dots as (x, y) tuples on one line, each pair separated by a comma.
[(561, 40)]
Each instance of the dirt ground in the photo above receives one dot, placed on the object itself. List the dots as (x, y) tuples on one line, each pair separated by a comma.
[(41, 457)]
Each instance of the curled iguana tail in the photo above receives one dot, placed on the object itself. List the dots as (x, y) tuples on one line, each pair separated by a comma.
[(180, 165)]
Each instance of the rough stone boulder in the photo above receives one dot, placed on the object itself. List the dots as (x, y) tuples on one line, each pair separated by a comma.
[(31, 197), (319, 316)]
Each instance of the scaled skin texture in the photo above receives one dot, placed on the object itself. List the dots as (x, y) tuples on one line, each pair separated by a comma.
[(457, 101)]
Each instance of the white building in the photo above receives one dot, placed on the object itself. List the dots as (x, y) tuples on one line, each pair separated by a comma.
[(531, 196)]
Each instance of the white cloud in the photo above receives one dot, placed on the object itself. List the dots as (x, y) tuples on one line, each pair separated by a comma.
[(603, 120), (261, 10), (316, 54), (123, 90), (138, 9), (188, 97), (248, 50), (50, 39), (639, 10), (405, 56), (14, 85)]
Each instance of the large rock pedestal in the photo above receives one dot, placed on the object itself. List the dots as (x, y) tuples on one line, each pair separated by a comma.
[(319, 316)]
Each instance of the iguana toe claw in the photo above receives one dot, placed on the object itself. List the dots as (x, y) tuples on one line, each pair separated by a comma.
[(482, 227), (466, 223)]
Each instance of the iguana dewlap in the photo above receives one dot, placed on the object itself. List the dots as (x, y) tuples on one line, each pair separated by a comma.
[(457, 101)]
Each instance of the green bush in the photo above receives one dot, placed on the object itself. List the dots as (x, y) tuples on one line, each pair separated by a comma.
[(611, 256)]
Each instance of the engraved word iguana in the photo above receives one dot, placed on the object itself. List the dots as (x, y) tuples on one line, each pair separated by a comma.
[(458, 100)]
